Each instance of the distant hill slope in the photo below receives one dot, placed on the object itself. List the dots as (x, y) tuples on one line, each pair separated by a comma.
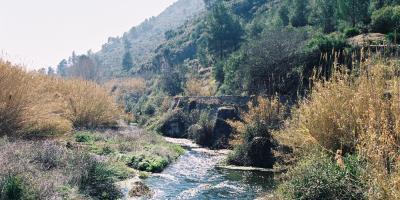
[(146, 37)]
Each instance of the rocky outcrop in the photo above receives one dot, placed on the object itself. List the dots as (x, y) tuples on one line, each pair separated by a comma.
[(222, 130)]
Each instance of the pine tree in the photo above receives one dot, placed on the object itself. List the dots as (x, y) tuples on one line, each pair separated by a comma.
[(300, 13), (324, 14), (225, 32), (354, 11), (284, 15), (127, 61), (62, 68)]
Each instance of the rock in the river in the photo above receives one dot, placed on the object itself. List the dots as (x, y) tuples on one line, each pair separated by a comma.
[(139, 189)]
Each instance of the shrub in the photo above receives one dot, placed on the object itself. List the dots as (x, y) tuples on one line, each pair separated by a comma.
[(90, 105), (386, 19), (351, 32), (148, 163), (326, 43), (316, 176), (13, 187), (200, 87), (394, 37), (98, 181)]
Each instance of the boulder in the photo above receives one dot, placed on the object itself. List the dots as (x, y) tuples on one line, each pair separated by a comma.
[(139, 189)]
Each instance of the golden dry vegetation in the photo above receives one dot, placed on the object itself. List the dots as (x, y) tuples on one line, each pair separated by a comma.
[(36, 105)]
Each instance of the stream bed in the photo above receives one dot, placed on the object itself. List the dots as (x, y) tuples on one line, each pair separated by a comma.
[(195, 176)]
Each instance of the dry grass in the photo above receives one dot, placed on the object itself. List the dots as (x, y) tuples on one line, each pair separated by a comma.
[(200, 87), (44, 167), (358, 112), (267, 114), (34, 104)]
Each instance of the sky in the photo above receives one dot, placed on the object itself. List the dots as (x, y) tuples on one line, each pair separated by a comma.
[(40, 33)]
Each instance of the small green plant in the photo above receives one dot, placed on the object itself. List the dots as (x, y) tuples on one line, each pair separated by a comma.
[(14, 188), (98, 181), (83, 137), (107, 150)]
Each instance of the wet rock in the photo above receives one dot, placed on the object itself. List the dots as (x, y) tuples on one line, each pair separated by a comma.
[(139, 189)]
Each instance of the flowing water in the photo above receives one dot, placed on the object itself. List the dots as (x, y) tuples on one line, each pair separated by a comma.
[(195, 176)]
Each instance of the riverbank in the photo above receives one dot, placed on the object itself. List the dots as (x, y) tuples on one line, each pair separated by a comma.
[(81, 165)]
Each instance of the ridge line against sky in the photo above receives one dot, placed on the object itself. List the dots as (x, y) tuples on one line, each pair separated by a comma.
[(40, 33)]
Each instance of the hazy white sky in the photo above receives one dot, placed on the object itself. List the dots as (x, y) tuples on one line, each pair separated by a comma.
[(39, 33)]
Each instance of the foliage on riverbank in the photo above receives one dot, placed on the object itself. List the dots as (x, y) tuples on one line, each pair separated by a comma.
[(355, 114), (253, 140)]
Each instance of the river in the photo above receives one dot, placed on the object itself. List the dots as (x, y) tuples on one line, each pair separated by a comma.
[(195, 176)]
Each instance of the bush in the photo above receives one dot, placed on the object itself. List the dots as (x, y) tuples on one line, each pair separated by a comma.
[(98, 181), (394, 37), (13, 187), (316, 176), (351, 32), (386, 19), (326, 43), (148, 164)]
